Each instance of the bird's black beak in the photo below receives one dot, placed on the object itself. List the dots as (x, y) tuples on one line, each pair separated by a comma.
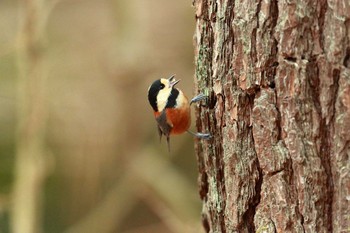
[(172, 81)]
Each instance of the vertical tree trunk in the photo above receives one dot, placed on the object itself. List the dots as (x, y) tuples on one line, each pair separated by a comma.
[(31, 166), (278, 79)]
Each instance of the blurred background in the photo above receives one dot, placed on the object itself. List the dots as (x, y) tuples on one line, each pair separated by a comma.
[(79, 148)]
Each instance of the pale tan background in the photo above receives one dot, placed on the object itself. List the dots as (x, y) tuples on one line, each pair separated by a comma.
[(107, 170)]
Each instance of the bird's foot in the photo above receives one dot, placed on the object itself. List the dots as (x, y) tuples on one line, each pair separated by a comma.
[(198, 98), (201, 135)]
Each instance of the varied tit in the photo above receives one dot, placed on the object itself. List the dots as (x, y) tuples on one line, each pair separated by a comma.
[(171, 108)]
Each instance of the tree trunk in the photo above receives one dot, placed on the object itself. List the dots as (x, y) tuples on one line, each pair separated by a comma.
[(32, 162), (278, 80)]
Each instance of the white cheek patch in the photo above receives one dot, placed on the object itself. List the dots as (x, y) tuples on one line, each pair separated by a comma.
[(181, 100), (162, 98)]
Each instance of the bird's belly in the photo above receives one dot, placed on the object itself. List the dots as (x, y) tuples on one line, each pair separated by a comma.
[(179, 119)]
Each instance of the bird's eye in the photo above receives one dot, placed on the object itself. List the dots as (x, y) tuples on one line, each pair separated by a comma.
[(161, 86)]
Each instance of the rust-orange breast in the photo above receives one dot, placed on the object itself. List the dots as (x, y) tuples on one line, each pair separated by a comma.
[(179, 119)]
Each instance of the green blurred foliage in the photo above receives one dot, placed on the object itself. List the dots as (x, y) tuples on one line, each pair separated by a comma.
[(107, 171)]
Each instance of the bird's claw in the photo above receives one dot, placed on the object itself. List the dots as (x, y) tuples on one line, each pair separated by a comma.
[(203, 135), (198, 98)]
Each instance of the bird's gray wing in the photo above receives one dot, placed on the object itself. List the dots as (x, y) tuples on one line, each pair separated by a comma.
[(164, 127)]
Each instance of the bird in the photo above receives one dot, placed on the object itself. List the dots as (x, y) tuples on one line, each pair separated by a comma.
[(171, 108)]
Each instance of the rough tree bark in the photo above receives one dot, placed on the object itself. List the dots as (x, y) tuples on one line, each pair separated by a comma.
[(277, 73)]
